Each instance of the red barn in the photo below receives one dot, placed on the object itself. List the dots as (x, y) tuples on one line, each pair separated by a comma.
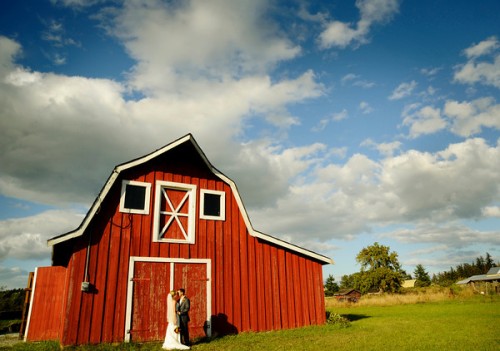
[(163, 221)]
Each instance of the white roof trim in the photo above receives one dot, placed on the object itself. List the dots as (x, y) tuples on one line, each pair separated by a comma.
[(114, 175)]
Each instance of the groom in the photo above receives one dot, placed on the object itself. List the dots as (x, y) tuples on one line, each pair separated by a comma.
[(182, 309)]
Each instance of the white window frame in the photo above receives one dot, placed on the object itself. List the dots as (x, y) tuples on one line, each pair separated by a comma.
[(222, 195), (147, 195), (191, 190)]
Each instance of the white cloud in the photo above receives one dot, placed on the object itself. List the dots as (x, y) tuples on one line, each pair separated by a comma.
[(483, 48), (365, 107), (452, 235), (302, 187), (463, 118), (82, 127), (403, 90), (425, 120), (226, 40), (433, 186), (335, 117), (77, 3), (344, 200), (26, 238), (430, 72), (483, 72), (340, 115), (348, 78), (468, 118), (13, 277), (9, 50), (491, 211), (386, 149), (55, 34), (356, 81), (340, 34)]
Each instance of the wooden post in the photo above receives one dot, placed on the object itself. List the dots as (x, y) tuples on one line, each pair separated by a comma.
[(26, 306)]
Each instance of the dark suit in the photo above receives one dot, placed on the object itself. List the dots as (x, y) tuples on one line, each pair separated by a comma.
[(183, 307)]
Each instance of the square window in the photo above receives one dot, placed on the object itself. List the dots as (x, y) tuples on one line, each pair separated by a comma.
[(135, 197), (212, 204)]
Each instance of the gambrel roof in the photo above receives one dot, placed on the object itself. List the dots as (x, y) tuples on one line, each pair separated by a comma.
[(139, 161)]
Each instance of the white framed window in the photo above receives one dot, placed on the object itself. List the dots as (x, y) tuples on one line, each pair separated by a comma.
[(135, 197), (213, 204), (175, 211)]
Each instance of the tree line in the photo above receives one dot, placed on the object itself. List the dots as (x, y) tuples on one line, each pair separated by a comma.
[(381, 272), (11, 300), (481, 265)]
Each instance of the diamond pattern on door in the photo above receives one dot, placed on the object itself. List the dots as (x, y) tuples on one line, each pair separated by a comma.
[(174, 213), (174, 219)]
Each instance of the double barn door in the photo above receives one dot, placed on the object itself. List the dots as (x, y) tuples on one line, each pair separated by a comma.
[(150, 280)]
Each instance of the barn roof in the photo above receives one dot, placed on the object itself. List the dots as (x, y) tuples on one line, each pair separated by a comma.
[(493, 274), (186, 139), (346, 292)]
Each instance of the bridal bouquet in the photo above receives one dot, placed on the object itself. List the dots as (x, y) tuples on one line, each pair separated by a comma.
[(177, 330)]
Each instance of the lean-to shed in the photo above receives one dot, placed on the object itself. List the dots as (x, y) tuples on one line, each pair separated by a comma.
[(163, 221)]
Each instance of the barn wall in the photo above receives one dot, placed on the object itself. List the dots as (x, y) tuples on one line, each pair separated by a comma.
[(256, 286), (46, 307)]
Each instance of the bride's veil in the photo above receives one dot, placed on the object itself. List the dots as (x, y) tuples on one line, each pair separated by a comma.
[(171, 316)]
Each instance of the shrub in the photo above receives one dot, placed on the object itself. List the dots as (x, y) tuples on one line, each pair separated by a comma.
[(337, 319)]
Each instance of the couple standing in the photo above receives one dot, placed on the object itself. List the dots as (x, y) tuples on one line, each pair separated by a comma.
[(177, 337)]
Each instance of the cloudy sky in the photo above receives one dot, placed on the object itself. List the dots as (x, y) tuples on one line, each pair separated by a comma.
[(343, 123)]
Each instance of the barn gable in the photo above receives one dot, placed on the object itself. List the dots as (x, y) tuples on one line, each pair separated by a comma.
[(168, 220), (177, 152)]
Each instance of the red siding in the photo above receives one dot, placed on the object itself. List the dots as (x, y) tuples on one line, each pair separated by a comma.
[(255, 285), (45, 316)]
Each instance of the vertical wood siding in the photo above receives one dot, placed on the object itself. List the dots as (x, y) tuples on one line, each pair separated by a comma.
[(256, 286), (47, 304)]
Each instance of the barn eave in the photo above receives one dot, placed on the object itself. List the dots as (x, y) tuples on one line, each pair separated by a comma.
[(136, 162)]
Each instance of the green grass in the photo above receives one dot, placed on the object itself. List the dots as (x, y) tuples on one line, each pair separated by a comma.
[(471, 324), (454, 324)]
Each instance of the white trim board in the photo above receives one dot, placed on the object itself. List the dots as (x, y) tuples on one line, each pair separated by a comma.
[(31, 304)]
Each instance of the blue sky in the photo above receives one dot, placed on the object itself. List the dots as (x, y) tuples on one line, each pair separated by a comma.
[(343, 123)]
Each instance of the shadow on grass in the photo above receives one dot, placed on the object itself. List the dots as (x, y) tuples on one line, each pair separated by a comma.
[(355, 317)]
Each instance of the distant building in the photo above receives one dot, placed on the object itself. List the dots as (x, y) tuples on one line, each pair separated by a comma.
[(493, 275), (350, 295), (409, 283)]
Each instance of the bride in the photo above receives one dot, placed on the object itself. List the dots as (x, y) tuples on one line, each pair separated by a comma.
[(172, 338)]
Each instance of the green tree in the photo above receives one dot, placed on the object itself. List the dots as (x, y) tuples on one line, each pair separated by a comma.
[(11, 300), (421, 276), (348, 281), (380, 269), (480, 266), (331, 287), (489, 262)]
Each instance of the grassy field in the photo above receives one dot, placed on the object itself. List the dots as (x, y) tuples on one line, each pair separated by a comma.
[(387, 323)]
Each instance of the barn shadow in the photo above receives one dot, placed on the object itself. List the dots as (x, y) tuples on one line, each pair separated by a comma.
[(220, 327), (355, 317)]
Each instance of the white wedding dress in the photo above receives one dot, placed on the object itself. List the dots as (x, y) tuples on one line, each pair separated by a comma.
[(172, 339)]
